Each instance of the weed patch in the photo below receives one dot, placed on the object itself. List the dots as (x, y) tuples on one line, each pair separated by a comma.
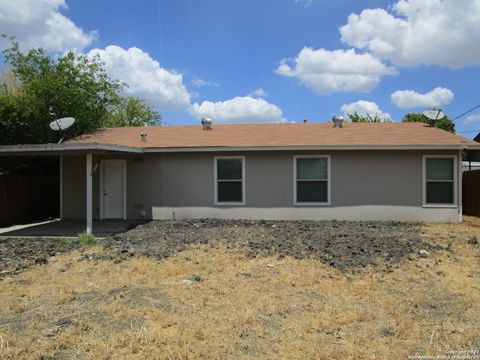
[(85, 239)]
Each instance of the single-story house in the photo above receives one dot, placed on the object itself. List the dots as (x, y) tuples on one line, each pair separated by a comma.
[(361, 171)]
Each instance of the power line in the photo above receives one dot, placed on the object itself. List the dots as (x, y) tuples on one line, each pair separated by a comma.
[(466, 112), (468, 131)]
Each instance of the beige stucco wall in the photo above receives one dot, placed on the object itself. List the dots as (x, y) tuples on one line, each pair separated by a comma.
[(364, 185)]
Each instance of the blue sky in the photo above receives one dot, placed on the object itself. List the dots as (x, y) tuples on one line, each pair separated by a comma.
[(271, 60)]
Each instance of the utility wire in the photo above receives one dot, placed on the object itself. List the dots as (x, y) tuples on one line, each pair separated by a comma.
[(468, 131), (463, 114), (466, 112)]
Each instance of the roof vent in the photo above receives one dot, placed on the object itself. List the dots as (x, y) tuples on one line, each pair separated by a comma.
[(305, 120), (207, 123), (337, 121), (143, 137)]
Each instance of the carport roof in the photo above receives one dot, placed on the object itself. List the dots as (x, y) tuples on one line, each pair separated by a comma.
[(64, 148)]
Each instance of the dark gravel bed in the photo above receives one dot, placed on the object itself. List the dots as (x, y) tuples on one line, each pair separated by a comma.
[(17, 254), (346, 244)]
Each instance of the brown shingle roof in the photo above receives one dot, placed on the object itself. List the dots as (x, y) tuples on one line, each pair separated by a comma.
[(277, 135)]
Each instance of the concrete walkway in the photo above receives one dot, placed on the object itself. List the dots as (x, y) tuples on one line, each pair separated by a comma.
[(68, 228)]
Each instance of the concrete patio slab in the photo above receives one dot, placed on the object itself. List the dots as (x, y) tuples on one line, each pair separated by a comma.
[(68, 228)]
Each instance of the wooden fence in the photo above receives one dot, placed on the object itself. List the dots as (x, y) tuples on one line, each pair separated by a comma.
[(471, 193), (27, 198)]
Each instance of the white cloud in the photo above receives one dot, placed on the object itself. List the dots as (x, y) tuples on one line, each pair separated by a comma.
[(440, 32), (327, 71), (362, 107), (407, 99), (472, 119), (199, 82), (146, 78), (259, 93), (39, 23), (239, 110)]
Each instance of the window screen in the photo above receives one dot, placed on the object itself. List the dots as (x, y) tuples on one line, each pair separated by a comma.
[(229, 180), (312, 180), (440, 181)]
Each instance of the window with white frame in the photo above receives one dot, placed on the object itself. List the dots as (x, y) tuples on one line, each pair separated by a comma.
[(230, 180), (312, 180), (440, 178)]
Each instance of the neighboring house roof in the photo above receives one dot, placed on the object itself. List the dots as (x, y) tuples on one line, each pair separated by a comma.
[(277, 135), (477, 138)]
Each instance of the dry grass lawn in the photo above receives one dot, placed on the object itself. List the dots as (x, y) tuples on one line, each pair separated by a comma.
[(211, 303)]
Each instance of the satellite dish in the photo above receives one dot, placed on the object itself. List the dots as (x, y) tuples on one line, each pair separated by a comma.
[(62, 124), (434, 114)]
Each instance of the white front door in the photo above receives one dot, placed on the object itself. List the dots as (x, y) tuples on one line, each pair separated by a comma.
[(113, 188)]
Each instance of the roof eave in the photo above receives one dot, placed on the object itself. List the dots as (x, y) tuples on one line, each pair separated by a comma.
[(80, 148), (58, 149), (309, 147)]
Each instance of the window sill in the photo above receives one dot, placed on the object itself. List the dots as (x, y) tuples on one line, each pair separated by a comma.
[(440, 206), (310, 204), (229, 204)]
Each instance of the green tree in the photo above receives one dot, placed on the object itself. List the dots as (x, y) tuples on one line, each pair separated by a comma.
[(375, 118), (16, 115), (72, 85), (445, 123), (39, 88), (132, 111), (36, 88)]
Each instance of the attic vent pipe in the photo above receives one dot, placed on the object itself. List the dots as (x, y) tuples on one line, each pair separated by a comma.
[(143, 137), (337, 121), (207, 123)]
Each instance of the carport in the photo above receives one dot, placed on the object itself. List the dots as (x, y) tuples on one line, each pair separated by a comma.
[(60, 150)]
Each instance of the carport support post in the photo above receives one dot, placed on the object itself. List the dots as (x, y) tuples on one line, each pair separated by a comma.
[(89, 193)]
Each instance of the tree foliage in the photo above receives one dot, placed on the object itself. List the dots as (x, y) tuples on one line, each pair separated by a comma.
[(131, 111), (375, 118), (38, 88), (444, 123)]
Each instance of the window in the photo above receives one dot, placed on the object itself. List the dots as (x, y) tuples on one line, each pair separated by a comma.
[(312, 185), (230, 180), (440, 179)]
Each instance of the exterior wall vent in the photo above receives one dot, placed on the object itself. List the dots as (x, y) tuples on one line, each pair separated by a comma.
[(207, 123), (138, 206), (337, 121)]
